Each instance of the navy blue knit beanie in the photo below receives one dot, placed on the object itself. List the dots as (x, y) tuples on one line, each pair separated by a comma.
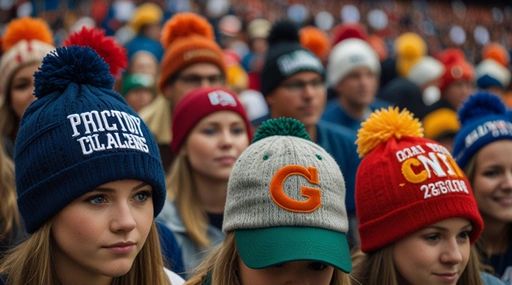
[(484, 120), (78, 135), (286, 56)]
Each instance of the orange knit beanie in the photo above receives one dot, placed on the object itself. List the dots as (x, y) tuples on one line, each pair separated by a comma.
[(188, 38)]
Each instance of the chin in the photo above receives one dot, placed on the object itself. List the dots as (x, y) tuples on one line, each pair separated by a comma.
[(117, 270)]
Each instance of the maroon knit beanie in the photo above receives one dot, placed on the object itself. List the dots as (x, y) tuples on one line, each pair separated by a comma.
[(200, 103)]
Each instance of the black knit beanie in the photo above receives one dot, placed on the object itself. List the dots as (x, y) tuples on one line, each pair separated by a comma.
[(286, 56)]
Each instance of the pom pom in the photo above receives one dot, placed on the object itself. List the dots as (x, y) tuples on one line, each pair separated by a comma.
[(497, 52), (410, 46), (345, 31), (26, 29), (283, 31), (184, 25), (113, 54), (383, 125), (281, 127), (66, 65), (315, 40), (146, 14), (481, 104)]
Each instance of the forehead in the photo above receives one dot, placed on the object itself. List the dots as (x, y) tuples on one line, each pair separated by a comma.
[(303, 76), (496, 152), (201, 69)]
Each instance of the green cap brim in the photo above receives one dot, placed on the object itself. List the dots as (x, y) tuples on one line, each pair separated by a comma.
[(260, 248)]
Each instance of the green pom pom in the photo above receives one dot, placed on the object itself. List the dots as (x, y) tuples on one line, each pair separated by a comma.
[(281, 127)]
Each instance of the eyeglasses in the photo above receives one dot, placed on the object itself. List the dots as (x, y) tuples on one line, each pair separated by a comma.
[(300, 86), (197, 80)]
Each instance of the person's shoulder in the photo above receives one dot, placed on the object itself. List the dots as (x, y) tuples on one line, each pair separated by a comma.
[(336, 130), (175, 278), (489, 279)]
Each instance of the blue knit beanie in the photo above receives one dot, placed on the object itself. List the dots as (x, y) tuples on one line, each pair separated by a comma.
[(484, 120), (78, 135)]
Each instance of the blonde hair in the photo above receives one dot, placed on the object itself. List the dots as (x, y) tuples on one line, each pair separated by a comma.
[(221, 266), (378, 268), (31, 263), (9, 215), (180, 186)]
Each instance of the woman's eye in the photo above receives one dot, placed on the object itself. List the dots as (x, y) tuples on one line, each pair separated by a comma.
[(97, 200), (464, 235), (209, 131), (491, 173), (21, 86), (433, 237), (238, 131), (317, 266), (142, 196)]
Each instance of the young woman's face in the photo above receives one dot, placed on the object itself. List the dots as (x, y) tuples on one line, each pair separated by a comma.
[(99, 234), (437, 254), (215, 144), (22, 89), (492, 182), (295, 272)]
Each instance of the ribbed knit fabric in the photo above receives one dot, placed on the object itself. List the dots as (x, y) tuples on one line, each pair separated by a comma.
[(484, 120), (249, 204), (389, 207), (405, 182), (187, 38), (78, 135), (199, 104), (286, 56)]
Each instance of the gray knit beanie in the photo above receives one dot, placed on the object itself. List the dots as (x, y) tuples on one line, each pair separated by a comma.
[(286, 200)]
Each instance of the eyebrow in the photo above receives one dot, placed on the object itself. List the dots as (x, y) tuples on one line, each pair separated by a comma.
[(111, 190), (469, 225)]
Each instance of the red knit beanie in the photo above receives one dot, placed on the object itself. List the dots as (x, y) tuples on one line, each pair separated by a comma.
[(456, 67), (187, 39), (405, 182), (200, 103)]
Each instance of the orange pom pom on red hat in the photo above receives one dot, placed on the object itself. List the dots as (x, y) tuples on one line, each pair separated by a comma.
[(107, 48), (187, 39)]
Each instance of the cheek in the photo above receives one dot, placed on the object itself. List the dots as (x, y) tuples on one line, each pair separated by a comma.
[(483, 187), (70, 230)]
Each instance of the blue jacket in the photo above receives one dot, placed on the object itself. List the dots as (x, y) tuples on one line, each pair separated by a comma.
[(335, 114), (339, 142)]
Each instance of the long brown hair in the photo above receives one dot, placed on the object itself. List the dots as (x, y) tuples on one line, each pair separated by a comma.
[(481, 246), (378, 268), (9, 215), (181, 187), (221, 265), (31, 263)]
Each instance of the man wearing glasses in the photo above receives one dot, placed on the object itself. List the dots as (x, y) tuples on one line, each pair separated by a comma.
[(293, 83), (192, 59)]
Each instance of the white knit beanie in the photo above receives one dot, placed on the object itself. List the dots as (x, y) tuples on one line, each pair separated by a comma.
[(490, 73), (348, 55), (425, 70)]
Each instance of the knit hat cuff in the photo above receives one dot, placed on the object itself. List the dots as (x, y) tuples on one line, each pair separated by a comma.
[(73, 182), (417, 216)]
